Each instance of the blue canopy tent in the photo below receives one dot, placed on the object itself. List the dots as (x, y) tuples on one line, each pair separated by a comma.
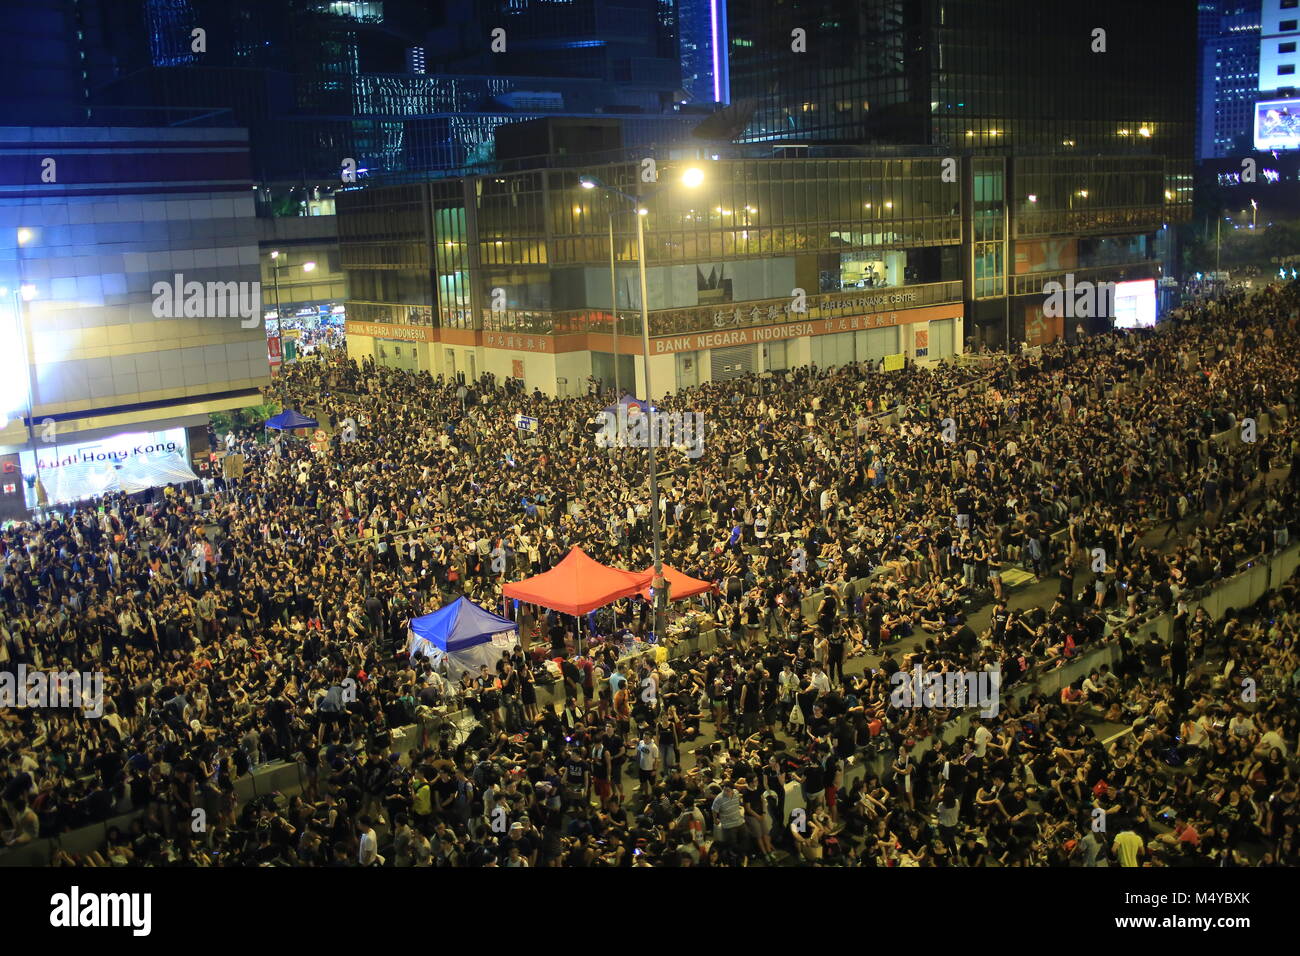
[(290, 419), (463, 634)]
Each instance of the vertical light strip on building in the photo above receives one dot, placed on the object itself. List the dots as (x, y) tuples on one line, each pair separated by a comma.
[(718, 40)]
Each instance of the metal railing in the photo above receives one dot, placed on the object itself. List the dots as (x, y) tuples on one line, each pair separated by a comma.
[(1033, 283), (723, 315)]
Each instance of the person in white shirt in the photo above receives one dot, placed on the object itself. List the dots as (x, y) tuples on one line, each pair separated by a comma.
[(369, 852), (1271, 740), (819, 680), (647, 757), (789, 684), (1242, 725), (982, 737)]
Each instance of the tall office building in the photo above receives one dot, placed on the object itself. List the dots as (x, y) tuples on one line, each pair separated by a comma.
[(630, 45), (1276, 113), (298, 74), (966, 75), (1074, 123), (1279, 31), (1229, 60), (399, 86), (53, 54), (702, 29)]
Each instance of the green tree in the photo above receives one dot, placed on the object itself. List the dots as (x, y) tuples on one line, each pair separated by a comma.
[(242, 418)]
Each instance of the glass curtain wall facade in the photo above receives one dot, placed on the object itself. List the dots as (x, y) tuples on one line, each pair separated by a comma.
[(1073, 123), (968, 74), (753, 232), (631, 42), (1229, 38), (386, 250), (529, 251)]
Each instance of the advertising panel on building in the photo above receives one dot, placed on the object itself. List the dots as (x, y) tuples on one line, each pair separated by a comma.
[(130, 461)]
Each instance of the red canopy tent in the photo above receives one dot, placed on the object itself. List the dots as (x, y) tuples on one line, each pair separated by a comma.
[(680, 586), (578, 584)]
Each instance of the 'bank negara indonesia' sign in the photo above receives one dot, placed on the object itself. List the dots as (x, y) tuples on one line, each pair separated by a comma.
[(771, 333)]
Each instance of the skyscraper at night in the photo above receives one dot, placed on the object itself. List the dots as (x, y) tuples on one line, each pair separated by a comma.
[(1229, 46), (400, 86), (1074, 122), (966, 75)]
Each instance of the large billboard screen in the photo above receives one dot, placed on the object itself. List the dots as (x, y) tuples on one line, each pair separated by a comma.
[(1135, 304), (73, 472), (1277, 124)]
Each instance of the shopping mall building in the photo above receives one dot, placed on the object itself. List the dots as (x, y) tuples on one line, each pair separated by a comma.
[(109, 366), (770, 262)]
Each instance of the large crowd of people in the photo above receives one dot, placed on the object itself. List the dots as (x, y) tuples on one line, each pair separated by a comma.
[(902, 503)]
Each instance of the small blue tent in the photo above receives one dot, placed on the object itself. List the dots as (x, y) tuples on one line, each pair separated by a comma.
[(290, 419), (465, 635)]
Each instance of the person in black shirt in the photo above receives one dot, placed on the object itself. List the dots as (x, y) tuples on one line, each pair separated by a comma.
[(888, 666), (971, 852), (965, 636), (835, 655)]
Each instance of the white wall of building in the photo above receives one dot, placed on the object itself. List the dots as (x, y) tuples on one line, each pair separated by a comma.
[(1279, 42), (575, 367)]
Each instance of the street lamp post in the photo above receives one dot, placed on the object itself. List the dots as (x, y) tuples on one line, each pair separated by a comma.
[(653, 458), (613, 302), (22, 295), (275, 274), (692, 178)]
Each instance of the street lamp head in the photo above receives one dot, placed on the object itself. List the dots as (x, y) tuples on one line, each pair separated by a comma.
[(275, 253), (643, 211), (24, 236), (308, 266), (693, 177), (587, 182), (29, 292)]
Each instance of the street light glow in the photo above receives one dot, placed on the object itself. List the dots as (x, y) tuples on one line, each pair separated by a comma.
[(693, 177), (308, 266), (24, 236)]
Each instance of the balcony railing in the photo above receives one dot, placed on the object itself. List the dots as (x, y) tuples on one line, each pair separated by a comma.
[(1122, 272), (1077, 221), (725, 315)]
